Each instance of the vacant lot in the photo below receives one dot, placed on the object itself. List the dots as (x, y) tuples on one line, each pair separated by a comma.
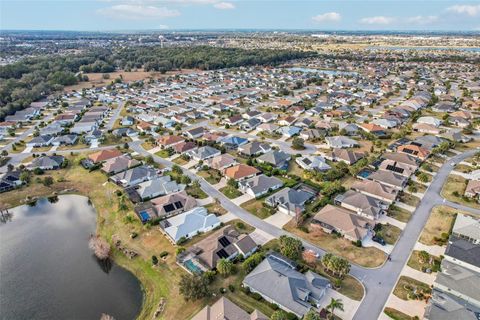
[(211, 175), (367, 257), (399, 213), (438, 226), (257, 208), (406, 288), (453, 190)]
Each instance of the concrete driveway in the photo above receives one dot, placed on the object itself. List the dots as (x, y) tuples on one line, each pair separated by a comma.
[(278, 219), (27, 150), (350, 306), (260, 237), (244, 198)]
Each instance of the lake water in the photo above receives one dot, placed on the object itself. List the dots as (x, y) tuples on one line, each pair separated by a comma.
[(47, 270)]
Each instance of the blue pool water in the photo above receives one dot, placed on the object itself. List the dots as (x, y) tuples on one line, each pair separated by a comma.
[(192, 267)]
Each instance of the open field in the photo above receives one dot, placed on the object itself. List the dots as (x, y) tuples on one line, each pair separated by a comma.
[(367, 257), (438, 226), (97, 80)]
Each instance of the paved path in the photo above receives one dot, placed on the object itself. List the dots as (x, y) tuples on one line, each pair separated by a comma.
[(433, 250), (116, 114), (428, 278)]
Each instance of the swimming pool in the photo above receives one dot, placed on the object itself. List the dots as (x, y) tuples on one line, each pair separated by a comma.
[(192, 266)]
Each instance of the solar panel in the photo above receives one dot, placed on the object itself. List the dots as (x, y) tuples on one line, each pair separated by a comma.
[(178, 205), (169, 208), (222, 254), (395, 169), (224, 241)]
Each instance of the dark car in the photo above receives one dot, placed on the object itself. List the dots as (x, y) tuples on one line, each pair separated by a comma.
[(379, 240)]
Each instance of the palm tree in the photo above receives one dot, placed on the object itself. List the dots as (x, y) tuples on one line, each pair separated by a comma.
[(335, 304), (224, 267)]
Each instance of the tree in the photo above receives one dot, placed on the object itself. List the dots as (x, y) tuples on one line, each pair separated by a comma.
[(334, 304), (423, 177), (149, 160), (100, 247), (311, 315), (232, 183), (279, 315), (193, 287), (309, 257), (224, 267), (298, 143), (424, 256), (25, 176), (251, 262), (48, 181), (176, 169), (185, 179), (290, 247)]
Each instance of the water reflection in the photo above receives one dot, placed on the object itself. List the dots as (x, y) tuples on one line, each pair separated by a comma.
[(47, 270)]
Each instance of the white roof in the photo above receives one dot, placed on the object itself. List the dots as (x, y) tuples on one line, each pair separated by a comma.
[(197, 219)]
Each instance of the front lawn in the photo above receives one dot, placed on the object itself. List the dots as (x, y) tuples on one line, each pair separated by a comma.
[(388, 232), (216, 209), (438, 226), (399, 213), (163, 153), (410, 289), (369, 257), (258, 208)]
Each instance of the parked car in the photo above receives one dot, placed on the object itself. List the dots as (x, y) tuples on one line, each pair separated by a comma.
[(379, 240)]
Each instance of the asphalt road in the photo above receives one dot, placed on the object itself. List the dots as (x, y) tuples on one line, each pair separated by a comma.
[(378, 282)]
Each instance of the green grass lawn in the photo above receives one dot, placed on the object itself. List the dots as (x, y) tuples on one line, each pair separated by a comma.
[(399, 213), (257, 208), (453, 190), (230, 192), (396, 315), (163, 154)]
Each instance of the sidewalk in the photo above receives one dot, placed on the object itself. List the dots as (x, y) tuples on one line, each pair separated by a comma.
[(428, 278), (405, 206)]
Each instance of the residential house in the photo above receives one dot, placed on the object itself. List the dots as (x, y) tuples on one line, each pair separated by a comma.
[(289, 131), (10, 180), (254, 148), (376, 190), (154, 186), (47, 163), (173, 203), (278, 159), (467, 227), (345, 222), (69, 139), (260, 185), (361, 204), (40, 141), (226, 243), (195, 133), (389, 178), (348, 156), (289, 201), (204, 153), (224, 309), (337, 142), (169, 141), (250, 124), (221, 162), (473, 189), (188, 224), (104, 155), (134, 176), (119, 164), (414, 150), (241, 172), (398, 167), (184, 147), (233, 142), (430, 120), (463, 253), (277, 281), (314, 163)]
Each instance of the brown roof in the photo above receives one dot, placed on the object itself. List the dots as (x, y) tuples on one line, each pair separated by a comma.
[(414, 150), (344, 221), (375, 188), (184, 146), (169, 140), (225, 309), (187, 203), (103, 155), (240, 171)]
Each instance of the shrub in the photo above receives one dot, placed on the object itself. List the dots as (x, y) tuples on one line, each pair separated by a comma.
[(256, 296), (154, 260), (231, 287), (163, 254)]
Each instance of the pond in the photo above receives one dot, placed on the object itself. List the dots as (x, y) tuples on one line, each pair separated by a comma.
[(47, 270)]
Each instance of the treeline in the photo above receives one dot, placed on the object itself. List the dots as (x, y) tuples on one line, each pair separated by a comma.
[(201, 57), (34, 78)]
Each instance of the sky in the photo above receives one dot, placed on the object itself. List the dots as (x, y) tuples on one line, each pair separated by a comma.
[(123, 15)]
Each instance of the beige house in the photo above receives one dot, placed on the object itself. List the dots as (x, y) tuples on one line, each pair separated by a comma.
[(225, 309)]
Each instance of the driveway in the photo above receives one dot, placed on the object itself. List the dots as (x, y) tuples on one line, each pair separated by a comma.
[(27, 150), (260, 237), (243, 198), (350, 306), (278, 219)]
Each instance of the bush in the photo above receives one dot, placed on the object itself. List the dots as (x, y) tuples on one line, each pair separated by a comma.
[(209, 276), (163, 254), (231, 287), (154, 260), (240, 225), (256, 296)]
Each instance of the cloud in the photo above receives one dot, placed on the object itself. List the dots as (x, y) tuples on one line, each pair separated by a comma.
[(224, 5), (422, 20), (377, 20), (327, 17), (137, 12), (469, 10)]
